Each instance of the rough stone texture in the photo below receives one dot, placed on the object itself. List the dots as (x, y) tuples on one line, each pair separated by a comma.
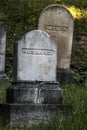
[(36, 55), (28, 114), (2, 46), (35, 92), (65, 76), (58, 23)]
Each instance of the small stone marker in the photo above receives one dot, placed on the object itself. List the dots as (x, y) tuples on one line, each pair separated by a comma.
[(3, 76), (58, 23), (36, 57)]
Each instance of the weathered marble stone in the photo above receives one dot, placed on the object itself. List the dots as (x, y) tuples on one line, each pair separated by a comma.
[(3, 76), (36, 55), (58, 23), (2, 46)]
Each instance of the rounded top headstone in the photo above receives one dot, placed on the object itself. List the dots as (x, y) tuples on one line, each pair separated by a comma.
[(58, 22), (36, 55), (57, 6)]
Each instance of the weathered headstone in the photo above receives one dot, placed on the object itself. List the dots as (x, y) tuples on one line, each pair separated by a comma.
[(3, 76), (34, 96), (36, 58), (58, 23)]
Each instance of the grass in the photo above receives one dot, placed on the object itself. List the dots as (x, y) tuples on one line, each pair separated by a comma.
[(3, 87), (75, 95)]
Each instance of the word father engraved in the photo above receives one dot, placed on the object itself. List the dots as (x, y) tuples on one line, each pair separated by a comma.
[(32, 51)]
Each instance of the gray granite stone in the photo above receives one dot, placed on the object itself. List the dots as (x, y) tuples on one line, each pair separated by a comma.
[(29, 114), (58, 23), (35, 92), (35, 57), (65, 76)]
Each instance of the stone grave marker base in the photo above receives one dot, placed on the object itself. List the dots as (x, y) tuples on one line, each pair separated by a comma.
[(35, 92), (64, 75), (32, 103), (30, 114)]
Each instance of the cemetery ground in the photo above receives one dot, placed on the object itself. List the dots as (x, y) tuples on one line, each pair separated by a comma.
[(24, 19), (75, 95)]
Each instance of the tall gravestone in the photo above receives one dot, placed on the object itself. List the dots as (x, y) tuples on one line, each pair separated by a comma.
[(34, 96), (58, 23), (3, 76)]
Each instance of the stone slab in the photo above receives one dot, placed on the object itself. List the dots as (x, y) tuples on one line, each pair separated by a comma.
[(35, 57), (58, 22), (29, 114), (33, 92)]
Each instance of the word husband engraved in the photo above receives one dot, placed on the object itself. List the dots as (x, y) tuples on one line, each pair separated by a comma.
[(32, 51)]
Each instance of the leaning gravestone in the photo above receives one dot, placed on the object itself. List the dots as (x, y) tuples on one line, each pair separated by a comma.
[(58, 23), (3, 76), (35, 95)]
